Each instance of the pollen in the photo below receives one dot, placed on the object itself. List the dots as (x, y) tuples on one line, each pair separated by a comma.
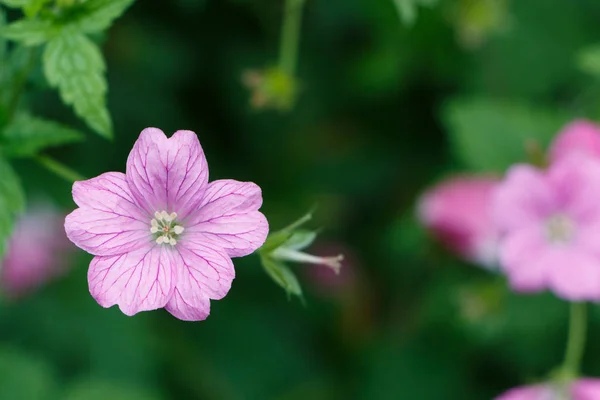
[(165, 228)]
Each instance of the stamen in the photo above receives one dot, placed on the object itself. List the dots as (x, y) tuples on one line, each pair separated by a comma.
[(166, 226)]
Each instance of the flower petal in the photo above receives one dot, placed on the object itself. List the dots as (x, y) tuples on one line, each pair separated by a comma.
[(521, 199), (168, 174), (573, 274), (108, 222), (580, 137), (519, 257), (586, 389), (136, 281), (203, 273), (576, 183), (229, 218)]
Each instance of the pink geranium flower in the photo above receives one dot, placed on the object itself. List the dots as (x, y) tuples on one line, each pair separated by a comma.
[(581, 389), (162, 235), (35, 252), (457, 212), (580, 137), (551, 225)]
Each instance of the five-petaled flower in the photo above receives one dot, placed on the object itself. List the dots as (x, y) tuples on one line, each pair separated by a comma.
[(550, 221), (162, 236)]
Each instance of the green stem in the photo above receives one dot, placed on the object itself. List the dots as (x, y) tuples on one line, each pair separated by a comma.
[(576, 339), (290, 36), (59, 169)]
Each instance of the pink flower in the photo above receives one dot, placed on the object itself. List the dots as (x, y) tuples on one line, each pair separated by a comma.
[(581, 389), (457, 212), (162, 235), (551, 225), (579, 137), (36, 252)]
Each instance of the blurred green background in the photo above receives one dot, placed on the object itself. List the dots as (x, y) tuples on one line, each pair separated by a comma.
[(385, 109)]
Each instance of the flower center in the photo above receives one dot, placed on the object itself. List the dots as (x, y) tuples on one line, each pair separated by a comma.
[(560, 229), (165, 229)]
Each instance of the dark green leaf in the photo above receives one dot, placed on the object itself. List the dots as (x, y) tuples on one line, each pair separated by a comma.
[(12, 201), (490, 135), (28, 135), (74, 65), (15, 3), (29, 32), (282, 275), (99, 14)]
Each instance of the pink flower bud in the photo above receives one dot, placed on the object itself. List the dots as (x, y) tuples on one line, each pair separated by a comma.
[(457, 213), (35, 253)]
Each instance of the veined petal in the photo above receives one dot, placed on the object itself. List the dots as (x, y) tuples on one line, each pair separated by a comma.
[(108, 222), (203, 273), (137, 281), (167, 173), (229, 218)]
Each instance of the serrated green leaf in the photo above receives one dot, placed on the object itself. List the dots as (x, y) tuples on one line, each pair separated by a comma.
[(74, 64), (27, 135), (490, 135), (301, 239), (282, 275), (29, 32), (98, 15), (24, 377), (100, 390), (12, 201)]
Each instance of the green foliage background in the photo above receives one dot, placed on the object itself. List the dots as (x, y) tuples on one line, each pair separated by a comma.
[(385, 109)]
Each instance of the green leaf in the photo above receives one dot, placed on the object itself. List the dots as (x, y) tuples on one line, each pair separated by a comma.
[(74, 65), (98, 15), (29, 32), (100, 390), (15, 3), (407, 9), (301, 239), (588, 60), (490, 135), (282, 275), (24, 377), (28, 135), (12, 202)]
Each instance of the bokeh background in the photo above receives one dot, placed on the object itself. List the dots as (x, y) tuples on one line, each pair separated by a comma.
[(385, 110)]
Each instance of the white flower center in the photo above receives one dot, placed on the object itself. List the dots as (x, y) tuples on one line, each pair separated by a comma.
[(165, 228), (560, 229)]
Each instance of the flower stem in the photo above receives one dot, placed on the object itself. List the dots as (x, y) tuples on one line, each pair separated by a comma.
[(59, 169), (290, 36), (576, 339)]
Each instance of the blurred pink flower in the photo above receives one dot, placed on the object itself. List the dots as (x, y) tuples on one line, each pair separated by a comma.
[(457, 213), (551, 225), (162, 235), (579, 137), (581, 389), (35, 252)]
